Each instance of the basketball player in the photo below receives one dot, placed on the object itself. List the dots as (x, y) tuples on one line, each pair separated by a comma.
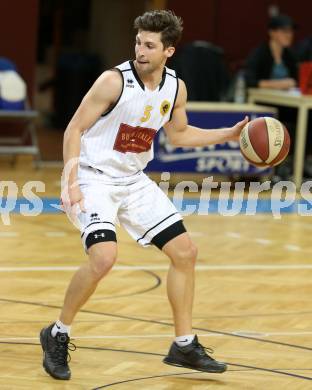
[(112, 134)]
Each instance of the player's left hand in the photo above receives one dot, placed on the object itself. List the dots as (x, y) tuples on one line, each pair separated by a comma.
[(236, 129)]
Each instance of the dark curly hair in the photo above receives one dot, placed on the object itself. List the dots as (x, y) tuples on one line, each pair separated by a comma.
[(163, 21)]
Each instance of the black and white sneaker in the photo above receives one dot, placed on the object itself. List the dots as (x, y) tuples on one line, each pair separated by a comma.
[(193, 356), (55, 353)]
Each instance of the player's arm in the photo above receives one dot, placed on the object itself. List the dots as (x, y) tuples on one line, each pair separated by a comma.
[(180, 133), (101, 96)]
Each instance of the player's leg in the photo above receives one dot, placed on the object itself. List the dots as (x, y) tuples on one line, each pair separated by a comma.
[(99, 240), (102, 257), (180, 281), (55, 338), (185, 351), (150, 217)]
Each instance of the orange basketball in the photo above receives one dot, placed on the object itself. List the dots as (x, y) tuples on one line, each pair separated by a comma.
[(264, 142)]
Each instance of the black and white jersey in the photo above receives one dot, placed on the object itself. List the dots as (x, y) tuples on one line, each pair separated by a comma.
[(120, 143)]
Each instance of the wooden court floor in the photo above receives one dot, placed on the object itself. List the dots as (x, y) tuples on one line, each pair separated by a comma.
[(253, 304)]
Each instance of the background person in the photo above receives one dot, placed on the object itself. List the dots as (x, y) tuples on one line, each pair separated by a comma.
[(273, 64)]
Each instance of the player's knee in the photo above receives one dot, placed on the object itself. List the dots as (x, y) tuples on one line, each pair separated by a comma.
[(101, 264), (186, 257)]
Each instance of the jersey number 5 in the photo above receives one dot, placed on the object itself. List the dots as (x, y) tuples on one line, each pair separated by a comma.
[(147, 114)]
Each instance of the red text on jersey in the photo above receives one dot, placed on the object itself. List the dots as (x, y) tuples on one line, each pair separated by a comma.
[(134, 139)]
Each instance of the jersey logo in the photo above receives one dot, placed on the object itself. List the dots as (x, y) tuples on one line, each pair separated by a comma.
[(134, 139), (164, 107), (94, 217), (147, 114), (130, 83)]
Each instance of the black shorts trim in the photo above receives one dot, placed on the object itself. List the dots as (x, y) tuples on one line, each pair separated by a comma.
[(141, 238), (168, 234), (102, 235)]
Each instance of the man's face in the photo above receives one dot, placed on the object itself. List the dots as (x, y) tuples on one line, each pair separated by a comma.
[(150, 52), (283, 36)]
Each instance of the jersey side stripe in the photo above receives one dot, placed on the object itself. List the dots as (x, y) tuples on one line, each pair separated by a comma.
[(175, 98)]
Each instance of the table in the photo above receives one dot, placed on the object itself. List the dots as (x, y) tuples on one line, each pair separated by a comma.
[(289, 99), (15, 145)]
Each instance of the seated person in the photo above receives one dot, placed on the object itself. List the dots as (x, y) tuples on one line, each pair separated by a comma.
[(273, 65)]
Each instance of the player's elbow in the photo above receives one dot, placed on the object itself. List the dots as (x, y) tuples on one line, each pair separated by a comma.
[(72, 128), (176, 144), (176, 138), (173, 141)]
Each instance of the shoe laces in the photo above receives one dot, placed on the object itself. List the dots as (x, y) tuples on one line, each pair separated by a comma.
[(61, 355), (203, 350)]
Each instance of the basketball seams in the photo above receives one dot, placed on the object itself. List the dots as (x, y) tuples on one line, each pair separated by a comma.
[(262, 152), (284, 149), (268, 139), (249, 150), (274, 148), (257, 164)]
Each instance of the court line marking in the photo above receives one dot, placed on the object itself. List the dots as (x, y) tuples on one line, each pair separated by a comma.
[(291, 247), (274, 371), (9, 234), (165, 336), (170, 324), (263, 241), (238, 267), (233, 234), (55, 234), (196, 234)]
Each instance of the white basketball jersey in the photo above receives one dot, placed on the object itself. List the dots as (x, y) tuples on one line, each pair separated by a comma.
[(120, 143)]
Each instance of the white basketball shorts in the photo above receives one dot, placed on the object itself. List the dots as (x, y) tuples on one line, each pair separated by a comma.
[(141, 207)]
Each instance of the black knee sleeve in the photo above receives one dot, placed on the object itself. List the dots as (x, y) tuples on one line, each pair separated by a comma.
[(100, 236), (168, 234)]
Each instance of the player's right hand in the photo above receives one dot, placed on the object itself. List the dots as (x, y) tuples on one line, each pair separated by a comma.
[(76, 197), (72, 198), (237, 128)]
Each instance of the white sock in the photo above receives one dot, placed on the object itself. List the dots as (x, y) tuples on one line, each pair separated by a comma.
[(59, 327), (182, 341)]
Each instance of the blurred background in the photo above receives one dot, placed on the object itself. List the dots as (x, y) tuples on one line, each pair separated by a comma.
[(59, 47)]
